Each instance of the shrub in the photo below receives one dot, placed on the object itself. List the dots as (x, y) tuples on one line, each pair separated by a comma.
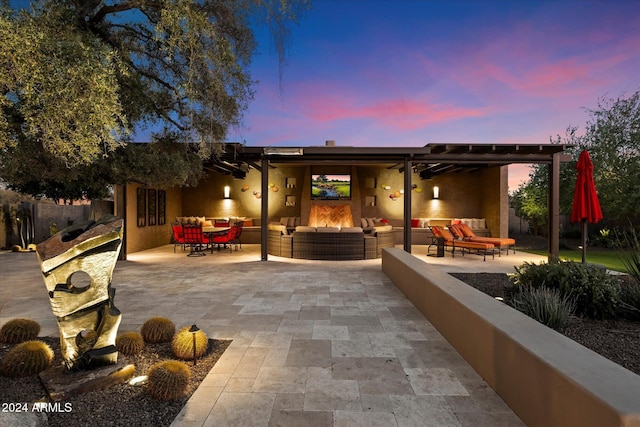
[(130, 343), (168, 380), (545, 305), (182, 344), (630, 300), (629, 243), (157, 330), (595, 292), (27, 358), (16, 331)]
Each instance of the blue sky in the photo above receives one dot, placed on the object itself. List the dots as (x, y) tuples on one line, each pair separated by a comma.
[(406, 73), (410, 72)]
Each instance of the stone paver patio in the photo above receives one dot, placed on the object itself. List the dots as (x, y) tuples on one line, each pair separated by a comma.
[(315, 343)]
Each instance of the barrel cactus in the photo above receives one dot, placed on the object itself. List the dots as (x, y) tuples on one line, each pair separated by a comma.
[(16, 331), (158, 330), (168, 380), (130, 343), (27, 358), (183, 341)]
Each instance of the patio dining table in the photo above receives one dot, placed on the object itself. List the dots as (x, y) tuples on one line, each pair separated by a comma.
[(212, 232), (215, 230)]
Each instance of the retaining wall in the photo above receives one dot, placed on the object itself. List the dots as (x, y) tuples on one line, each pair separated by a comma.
[(546, 378)]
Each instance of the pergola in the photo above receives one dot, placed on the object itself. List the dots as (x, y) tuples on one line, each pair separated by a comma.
[(428, 161)]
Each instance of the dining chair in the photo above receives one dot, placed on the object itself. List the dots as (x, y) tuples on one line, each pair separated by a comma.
[(232, 237), (194, 238), (178, 237)]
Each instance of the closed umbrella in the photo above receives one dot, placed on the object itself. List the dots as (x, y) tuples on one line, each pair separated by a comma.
[(586, 206)]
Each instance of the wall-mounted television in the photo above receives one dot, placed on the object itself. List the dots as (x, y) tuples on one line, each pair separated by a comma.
[(330, 186)]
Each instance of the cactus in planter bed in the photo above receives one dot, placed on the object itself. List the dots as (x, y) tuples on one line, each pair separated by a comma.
[(168, 380), (16, 331), (130, 343), (157, 330), (27, 358), (182, 344)]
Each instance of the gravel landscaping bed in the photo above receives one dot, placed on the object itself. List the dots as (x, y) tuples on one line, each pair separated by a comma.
[(120, 405), (617, 340)]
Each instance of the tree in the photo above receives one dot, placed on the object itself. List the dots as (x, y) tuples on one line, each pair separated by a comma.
[(78, 77), (613, 140), (612, 137)]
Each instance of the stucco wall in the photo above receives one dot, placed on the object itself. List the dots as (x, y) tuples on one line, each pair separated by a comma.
[(245, 195), (148, 236), (479, 194)]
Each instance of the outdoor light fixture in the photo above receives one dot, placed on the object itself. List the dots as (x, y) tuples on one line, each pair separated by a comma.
[(227, 191), (239, 174), (425, 174), (193, 331), (283, 151), (436, 192)]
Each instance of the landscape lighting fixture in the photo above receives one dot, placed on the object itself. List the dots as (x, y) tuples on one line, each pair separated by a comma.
[(193, 331)]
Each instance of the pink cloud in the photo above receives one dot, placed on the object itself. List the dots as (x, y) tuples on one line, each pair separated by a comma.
[(397, 113)]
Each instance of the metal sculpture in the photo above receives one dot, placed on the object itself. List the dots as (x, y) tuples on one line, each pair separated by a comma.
[(77, 266)]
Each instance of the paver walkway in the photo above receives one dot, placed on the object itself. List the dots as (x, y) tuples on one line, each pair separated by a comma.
[(315, 343)]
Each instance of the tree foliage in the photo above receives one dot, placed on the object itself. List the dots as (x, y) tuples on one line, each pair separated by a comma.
[(612, 137), (78, 77)]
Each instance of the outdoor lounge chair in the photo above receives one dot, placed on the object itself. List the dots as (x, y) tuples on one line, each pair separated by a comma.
[(194, 238), (450, 241), (464, 232)]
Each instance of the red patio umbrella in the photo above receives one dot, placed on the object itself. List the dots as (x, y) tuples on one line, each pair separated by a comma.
[(586, 206)]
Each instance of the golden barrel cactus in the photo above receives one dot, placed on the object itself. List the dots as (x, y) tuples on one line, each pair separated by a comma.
[(183, 342), (158, 330), (27, 358), (168, 380), (130, 343), (16, 331)]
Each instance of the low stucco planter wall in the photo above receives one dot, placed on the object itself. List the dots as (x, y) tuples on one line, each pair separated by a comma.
[(546, 378)]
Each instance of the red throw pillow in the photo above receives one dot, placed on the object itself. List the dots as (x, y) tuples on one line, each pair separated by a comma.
[(415, 222)]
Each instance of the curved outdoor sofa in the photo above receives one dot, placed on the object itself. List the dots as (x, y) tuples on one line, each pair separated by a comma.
[(329, 243)]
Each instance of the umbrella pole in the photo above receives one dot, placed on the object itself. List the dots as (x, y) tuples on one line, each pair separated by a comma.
[(584, 241)]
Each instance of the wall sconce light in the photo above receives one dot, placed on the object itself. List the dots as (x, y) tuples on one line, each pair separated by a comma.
[(227, 191), (436, 192)]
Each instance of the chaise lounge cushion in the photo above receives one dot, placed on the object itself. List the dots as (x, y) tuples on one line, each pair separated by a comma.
[(465, 232), (449, 240)]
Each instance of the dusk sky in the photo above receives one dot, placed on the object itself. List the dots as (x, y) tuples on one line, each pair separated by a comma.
[(410, 72), (406, 73)]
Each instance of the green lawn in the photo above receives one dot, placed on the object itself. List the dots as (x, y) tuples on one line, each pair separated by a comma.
[(607, 257)]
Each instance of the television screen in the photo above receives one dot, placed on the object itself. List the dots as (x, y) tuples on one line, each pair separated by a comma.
[(331, 186)]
